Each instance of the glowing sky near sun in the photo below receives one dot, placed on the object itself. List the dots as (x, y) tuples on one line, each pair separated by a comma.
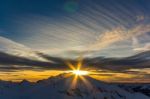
[(108, 76)]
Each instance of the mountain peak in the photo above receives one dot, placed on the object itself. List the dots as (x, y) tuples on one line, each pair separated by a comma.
[(25, 82)]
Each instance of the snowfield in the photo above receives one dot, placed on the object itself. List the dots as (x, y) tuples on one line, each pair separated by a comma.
[(59, 87)]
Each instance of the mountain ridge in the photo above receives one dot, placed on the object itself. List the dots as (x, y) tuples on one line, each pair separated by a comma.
[(59, 87)]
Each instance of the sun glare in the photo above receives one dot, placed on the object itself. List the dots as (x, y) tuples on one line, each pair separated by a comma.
[(80, 72), (76, 69)]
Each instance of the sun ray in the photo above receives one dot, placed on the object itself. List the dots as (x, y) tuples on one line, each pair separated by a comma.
[(71, 66), (74, 82), (80, 62), (86, 82)]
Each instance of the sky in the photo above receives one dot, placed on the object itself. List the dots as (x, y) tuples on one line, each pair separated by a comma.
[(71, 29), (68, 28)]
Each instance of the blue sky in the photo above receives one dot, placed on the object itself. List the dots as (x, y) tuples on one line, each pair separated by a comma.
[(70, 28)]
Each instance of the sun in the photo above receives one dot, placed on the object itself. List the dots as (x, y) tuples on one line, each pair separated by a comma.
[(80, 72), (76, 69)]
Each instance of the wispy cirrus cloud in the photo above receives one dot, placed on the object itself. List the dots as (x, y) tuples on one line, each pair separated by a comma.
[(119, 34), (17, 49), (146, 47), (89, 30)]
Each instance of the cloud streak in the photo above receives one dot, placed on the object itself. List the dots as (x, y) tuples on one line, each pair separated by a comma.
[(91, 29), (9, 60), (146, 47), (17, 49), (119, 34)]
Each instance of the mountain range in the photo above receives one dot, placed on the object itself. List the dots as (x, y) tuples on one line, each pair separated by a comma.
[(59, 87)]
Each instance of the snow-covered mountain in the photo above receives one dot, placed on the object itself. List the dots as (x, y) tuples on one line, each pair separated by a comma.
[(59, 87), (142, 88)]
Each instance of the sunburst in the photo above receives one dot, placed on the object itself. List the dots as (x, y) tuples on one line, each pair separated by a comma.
[(78, 73)]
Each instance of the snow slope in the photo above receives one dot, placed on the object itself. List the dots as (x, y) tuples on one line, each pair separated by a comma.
[(59, 87)]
